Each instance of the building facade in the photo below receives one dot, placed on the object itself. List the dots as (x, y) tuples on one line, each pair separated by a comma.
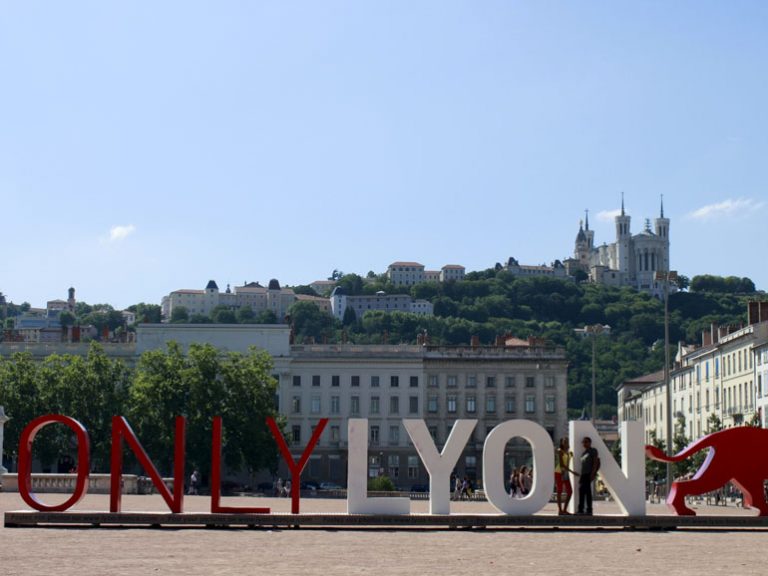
[(410, 273), (714, 384), (251, 295), (380, 301), (632, 260), (386, 384), (556, 270)]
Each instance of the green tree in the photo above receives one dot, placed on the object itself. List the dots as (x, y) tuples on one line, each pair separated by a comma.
[(179, 315), (91, 390), (146, 313), (309, 321), (67, 318), (352, 284), (246, 315), (303, 289), (381, 484), (654, 469), (350, 316), (714, 424), (201, 385), (266, 317), (20, 394), (223, 315)]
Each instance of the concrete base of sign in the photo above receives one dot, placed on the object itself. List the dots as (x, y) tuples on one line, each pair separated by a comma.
[(27, 518)]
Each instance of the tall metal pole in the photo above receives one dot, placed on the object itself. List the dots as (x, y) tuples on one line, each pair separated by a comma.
[(594, 375), (667, 383)]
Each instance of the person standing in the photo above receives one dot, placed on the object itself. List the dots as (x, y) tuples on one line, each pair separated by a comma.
[(590, 464), (562, 478), (194, 482), (526, 481)]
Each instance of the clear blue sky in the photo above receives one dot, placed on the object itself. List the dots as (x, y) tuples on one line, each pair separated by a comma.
[(151, 146)]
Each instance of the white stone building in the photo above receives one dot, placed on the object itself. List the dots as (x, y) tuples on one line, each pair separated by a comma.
[(632, 260), (716, 379), (405, 273), (252, 295), (556, 270), (380, 301), (410, 273), (452, 272), (438, 384)]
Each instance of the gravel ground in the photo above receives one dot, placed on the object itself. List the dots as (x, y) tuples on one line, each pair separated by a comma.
[(58, 551)]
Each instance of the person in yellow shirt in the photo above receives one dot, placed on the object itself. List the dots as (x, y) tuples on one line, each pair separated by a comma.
[(562, 478)]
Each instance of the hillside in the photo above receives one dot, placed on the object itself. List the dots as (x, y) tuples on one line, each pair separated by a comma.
[(492, 303)]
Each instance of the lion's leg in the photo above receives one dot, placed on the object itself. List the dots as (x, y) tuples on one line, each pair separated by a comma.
[(754, 495), (676, 499)]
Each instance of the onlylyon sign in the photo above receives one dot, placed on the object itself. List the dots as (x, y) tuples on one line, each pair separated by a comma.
[(626, 483)]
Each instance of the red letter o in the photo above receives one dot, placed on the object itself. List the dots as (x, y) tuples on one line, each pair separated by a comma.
[(25, 461)]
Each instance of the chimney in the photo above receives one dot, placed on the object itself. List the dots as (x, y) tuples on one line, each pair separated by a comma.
[(475, 341), (499, 340), (706, 338), (753, 313), (715, 333), (764, 311)]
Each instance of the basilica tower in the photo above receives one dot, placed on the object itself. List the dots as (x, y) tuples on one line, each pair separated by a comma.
[(661, 226), (623, 239)]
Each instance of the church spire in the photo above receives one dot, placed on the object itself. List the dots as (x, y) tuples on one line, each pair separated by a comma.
[(586, 219), (662, 206), (622, 203)]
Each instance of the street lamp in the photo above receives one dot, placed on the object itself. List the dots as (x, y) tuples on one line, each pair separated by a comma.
[(595, 330), (666, 277)]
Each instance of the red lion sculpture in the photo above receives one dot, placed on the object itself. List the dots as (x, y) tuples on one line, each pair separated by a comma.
[(735, 455)]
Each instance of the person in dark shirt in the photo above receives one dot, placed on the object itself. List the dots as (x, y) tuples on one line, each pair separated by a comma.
[(590, 463)]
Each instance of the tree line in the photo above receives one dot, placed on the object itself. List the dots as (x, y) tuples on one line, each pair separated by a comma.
[(199, 385)]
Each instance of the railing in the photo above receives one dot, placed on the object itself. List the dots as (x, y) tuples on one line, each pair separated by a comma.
[(97, 483)]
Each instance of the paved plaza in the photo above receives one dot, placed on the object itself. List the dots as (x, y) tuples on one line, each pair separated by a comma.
[(56, 551)]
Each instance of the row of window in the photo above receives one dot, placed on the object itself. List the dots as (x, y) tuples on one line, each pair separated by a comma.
[(375, 381), (394, 434), (471, 381), (471, 405), (433, 404), (374, 405), (451, 381), (732, 363)]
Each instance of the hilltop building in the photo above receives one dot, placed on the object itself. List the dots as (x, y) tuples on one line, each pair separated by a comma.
[(410, 273), (556, 270), (632, 260), (251, 294), (380, 301)]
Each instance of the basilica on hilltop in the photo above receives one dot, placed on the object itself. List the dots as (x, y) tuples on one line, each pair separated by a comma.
[(632, 260)]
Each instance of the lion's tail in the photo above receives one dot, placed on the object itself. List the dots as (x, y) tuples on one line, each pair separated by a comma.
[(657, 454)]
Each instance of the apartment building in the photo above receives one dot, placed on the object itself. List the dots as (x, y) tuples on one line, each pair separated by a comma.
[(715, 381)]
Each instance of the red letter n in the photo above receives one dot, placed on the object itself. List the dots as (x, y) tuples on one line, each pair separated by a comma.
[(121, 429)]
